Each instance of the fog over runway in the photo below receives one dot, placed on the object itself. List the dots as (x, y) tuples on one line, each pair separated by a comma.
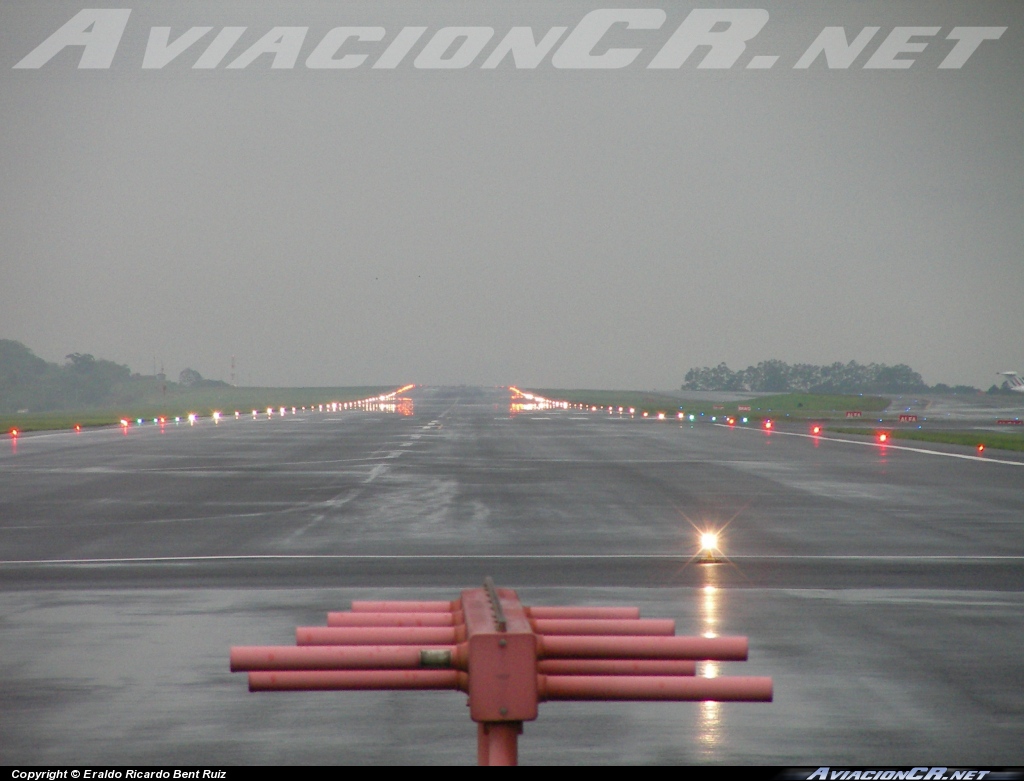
[(881, 587)]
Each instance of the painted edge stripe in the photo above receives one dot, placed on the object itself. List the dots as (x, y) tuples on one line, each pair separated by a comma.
[(887, 446)]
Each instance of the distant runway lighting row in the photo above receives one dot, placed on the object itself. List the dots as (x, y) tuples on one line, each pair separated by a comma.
[(389, 402), (524, 401)]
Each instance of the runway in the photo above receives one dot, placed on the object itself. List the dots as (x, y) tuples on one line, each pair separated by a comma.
[(881, 587)]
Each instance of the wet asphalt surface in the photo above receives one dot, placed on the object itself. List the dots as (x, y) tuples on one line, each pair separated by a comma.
[(881, 587)]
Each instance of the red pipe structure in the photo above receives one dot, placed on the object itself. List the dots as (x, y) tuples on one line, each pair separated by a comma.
[(507, 657)]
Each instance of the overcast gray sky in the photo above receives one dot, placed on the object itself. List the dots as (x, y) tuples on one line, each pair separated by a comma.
[(547, 226)]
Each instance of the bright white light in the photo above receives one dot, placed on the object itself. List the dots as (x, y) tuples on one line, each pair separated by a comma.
[(709, 541)]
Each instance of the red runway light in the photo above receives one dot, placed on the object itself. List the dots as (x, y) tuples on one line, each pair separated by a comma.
[(78, 427), (768, 425), (14, 433), (816, 430), (883, 438), (981, 448)]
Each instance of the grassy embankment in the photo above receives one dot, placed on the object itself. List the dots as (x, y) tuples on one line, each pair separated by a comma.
[(201, 401)]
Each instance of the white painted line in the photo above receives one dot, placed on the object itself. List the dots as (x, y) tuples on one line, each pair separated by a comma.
[(376, 472), (497, 556), (886, 446)]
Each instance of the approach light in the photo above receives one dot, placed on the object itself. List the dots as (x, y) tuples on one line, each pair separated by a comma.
[(709, 547)]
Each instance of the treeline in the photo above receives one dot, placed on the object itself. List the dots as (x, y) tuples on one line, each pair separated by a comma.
[(27, 382), (780, 377)]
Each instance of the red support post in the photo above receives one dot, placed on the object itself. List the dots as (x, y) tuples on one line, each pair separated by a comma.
[(502, 739)]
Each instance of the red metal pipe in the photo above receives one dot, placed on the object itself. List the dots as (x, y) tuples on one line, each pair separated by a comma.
[(723, 649), (604, 626), (406, 607), (348, 680), (605, 687), (329, 657), (568, 611), (380, 635), (617, 667), (390, 619)]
